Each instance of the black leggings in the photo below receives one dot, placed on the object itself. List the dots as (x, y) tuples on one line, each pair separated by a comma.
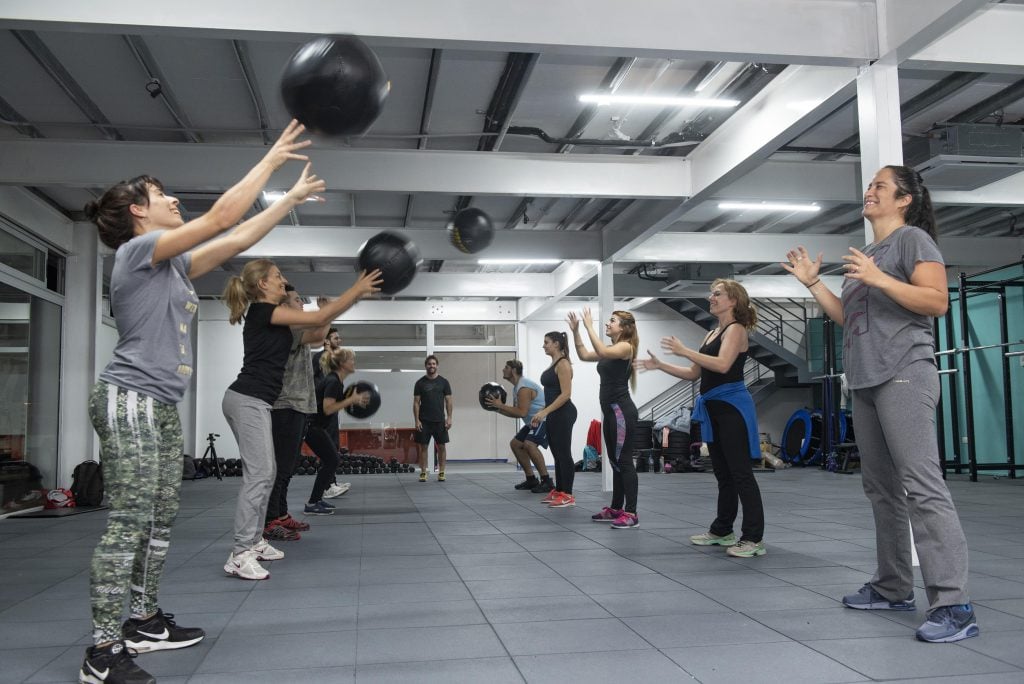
[(559, 425), (327, 452), (734, 470), (287, 426), (619, 426)]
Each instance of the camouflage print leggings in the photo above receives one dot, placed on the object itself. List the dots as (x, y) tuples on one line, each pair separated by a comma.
[(141, 447)]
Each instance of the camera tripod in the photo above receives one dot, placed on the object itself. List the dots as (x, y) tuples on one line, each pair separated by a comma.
[(211, 453)]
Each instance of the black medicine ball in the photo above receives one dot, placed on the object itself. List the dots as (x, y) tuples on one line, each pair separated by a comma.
[(357, 411), (491, 390), (335, 85), (395, 256), (471, 230)]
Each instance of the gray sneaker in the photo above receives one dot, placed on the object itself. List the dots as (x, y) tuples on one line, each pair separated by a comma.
[(867, 598), (949, 623), (708, 539)]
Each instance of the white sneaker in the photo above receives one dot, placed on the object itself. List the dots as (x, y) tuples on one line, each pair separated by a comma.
[(265, 552), (246, 566), (336, 490)]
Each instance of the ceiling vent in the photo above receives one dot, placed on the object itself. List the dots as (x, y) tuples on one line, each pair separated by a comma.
[(686, 276), (967, 156)]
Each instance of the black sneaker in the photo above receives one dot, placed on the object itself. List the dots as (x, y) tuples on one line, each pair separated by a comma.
[(112, 664), (159, 633), (528, 483), (545, 486)]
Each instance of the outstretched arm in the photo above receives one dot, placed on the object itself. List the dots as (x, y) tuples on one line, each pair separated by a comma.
[(806, 271), (619, 350), (654, 363), (581, 349), (214, 253), (233, 204), (365, 285)]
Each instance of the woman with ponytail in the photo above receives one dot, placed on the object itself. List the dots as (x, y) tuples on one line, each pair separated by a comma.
[(618, 412), (559, 414), (727, 417), (892, 290), (267, 337), (133, 406)]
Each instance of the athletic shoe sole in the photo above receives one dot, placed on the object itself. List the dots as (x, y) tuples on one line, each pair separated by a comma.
[(234, 572), (965, 633), (882, 606), (162, 645)]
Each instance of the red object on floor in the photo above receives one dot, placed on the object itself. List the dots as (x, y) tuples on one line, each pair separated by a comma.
[(594, 435)]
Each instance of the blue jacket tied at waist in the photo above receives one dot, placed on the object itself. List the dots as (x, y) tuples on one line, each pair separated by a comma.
[(736, 395)]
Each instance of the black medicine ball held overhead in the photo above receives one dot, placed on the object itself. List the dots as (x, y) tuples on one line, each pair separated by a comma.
[(395, 256), (335, 85), (358, 387), (491, 390), (471, 230)]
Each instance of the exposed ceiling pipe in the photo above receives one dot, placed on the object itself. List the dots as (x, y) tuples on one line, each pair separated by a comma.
[(249, 76), (163, 87)]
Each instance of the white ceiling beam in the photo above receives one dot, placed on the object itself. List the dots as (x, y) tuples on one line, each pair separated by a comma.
[(907, 26), (989, 41), (205, 167), (565, 279), (838, 32), (791, 103), (333, 241), (505, 285), (1006, 192)]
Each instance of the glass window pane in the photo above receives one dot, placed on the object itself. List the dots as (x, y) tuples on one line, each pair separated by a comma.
[(23, 257), (475, 334), (30, 335), (383, 334)]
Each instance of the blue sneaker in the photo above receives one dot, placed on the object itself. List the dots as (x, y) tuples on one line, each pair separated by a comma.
[(949, 623), (869, 599), (325, 503), (318, 508)]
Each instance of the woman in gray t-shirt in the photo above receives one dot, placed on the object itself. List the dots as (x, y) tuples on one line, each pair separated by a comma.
[(893, 288), (134, 404)]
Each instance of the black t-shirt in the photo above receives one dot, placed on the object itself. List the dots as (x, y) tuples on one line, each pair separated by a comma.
[(266, 354), (432, 394), (329, 387), (318, 372)]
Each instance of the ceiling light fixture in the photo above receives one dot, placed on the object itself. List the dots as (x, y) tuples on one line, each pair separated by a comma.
[(602, 99), (767, 206), (516, 262), (271, 196)]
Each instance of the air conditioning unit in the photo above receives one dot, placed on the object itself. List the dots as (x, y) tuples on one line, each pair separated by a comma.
[(685, 276), (967, 156)]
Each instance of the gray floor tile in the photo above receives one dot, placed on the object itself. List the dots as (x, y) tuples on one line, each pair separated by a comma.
[(680, 602), (436, 643), (406, 614), (772, 598), (830, 623), (614, 584), (790, 662), (242, 653), (20, 663), (281, 620), (614, 667), (466, 671), (511, 588), (710, 629), (892, 658), (341, 675), (575, 636), (424, 592)]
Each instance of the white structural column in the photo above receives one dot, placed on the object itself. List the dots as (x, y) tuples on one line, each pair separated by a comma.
[(605, 306), (878, 112), (78, 349)]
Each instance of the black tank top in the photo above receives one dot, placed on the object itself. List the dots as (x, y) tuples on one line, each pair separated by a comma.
[(709, 379), (549, 381), (614, 374)]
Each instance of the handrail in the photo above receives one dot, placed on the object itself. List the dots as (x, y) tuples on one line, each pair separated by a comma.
[(683, 396)]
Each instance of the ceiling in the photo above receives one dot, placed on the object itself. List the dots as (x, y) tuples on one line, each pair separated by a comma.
[(483, 112)]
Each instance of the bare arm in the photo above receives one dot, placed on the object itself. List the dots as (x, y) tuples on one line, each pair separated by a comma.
[(233, 204), (449, 407), (581, 350), (416, 412), (332, 406), (734, 341), (214, 253), (619, 350), (927, 293), (654, 363), (523, 399), (806, 271), (365, 285), (564, 373)]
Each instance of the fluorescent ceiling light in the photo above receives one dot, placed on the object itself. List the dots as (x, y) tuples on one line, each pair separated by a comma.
[(271, 196), (768, 206), (664, 101), (513, 262)]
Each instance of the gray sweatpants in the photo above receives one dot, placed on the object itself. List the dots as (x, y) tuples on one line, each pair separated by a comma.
[(249, 419), (895, 432)]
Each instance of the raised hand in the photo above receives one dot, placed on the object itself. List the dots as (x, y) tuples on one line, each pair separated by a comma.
[(647, 364), (307, 185), (368, 283), (588, 319), (859, 266), (673, 345), (802, 266), (573, 321), (285, 148)]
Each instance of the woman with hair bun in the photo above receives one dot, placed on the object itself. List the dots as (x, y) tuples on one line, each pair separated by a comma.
[(725, 411), (133, 406), (892, 291), (267, 336)]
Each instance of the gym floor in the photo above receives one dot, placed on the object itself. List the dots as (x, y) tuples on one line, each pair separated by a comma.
[(470, 581)]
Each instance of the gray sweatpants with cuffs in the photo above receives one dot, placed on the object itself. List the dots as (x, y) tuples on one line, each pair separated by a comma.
[(249, 419), (895, 431)]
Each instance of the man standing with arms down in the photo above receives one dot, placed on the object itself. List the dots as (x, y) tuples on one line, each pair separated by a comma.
[(431, 403), (527, 399)]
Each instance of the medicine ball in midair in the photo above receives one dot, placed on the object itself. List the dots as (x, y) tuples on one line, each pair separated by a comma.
[(334, 85), (395, 256), (471, 230)]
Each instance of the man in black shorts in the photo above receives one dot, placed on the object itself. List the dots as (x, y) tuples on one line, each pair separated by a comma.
[(431, 402)]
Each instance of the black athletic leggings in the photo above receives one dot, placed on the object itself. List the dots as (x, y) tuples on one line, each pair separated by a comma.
[(327, 452), (559, 425), (287, 426), (619, 426)]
